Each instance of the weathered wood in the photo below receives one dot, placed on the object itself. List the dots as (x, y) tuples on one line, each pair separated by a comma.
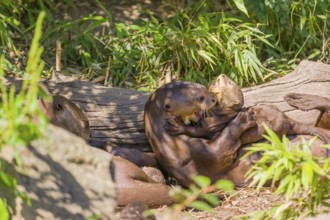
[(116, 115), (309, 77)]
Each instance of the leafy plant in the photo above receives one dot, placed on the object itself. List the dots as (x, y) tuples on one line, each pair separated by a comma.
[(79, 42), (303, 179), (188, 46), (249, 40), (19, 113), (298, 29), (197, 196)]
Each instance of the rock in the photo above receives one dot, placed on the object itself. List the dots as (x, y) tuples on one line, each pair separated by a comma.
[(64, 178)]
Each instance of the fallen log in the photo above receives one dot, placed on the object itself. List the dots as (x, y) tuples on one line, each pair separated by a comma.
[(116, 115)]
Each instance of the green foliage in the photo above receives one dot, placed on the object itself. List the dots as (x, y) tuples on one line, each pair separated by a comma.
[(20, 114), (196, 49), (94, 217), (303, 179), (248, 40), (17, 126), (3, 210), (198, 195), (298, 29), (79, 42)]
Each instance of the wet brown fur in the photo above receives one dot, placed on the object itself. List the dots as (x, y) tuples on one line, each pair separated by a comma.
[(132, 183), (64, 113), (229, 97), (182, 156)]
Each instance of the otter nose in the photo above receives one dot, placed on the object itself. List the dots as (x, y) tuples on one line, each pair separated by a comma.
[(213, 100)]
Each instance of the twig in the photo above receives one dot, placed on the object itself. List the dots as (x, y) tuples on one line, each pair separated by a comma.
[(58, 56), (107, 72)]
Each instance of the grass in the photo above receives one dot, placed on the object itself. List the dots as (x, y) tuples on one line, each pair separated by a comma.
[(251, 41), (21, 121)]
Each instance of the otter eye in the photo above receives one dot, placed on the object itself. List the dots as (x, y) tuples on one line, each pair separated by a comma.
[(201, 98), (59, 107), (167, 106)]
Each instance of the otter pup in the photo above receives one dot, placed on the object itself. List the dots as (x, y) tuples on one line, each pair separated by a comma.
[(183, 156), (229, 103)]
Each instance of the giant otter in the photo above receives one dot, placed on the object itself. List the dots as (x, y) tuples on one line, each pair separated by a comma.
[(182, 156), (64, 113), (230, 100), (132, 183), (139, 158)]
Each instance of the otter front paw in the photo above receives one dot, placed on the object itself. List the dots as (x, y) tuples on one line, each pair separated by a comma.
[(246, 119), (173, 126)]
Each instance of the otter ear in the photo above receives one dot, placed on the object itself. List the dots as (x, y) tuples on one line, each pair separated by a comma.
[(59, 107)]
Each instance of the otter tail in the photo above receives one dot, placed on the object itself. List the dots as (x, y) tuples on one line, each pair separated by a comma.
[(307, 102)]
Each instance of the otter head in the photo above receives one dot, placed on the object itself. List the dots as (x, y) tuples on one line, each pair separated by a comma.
[(64, 113), (229, 94), (188, 100)]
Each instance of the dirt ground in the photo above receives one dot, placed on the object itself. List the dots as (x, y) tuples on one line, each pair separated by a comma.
[(244, 201)]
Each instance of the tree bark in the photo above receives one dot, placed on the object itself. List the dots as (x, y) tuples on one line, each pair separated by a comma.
[(116, 115)]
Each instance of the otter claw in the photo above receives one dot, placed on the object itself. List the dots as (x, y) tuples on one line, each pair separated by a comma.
[(246, 119), (172, 127)]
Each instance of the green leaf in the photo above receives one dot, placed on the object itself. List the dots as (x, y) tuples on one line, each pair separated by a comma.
[(7, 180), (202, 181), (283, 184), (280, 209), (4, 215), (317, 169), (307, 175), (94, 25), (225, 185), (289, 191), (94, 217), (206, 55), (241, 6), (211, 199), (23, 196), (272, 137), (201, 206)]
